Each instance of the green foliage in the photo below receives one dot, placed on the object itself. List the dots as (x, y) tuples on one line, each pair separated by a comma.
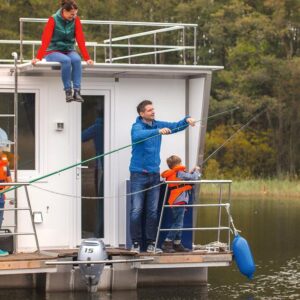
[(246, 155), (258, 43)]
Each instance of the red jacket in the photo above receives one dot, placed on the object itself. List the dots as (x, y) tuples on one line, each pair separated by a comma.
[(47, 36)]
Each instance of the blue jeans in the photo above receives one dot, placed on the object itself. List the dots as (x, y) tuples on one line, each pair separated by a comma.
[(70, 68), (144, 202), (178, 216)]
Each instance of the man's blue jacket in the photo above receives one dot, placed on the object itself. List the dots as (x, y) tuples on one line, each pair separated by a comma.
[(146, 155)]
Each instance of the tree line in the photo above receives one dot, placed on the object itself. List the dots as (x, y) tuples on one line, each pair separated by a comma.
[(257, 42)]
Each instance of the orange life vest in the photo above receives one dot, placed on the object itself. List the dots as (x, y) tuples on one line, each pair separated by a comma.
[(176, 188), (3, 167)]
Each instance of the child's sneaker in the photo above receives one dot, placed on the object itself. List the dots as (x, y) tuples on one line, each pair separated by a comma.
[(3, 253), (135, 247), (151, 248), (167, 247), (180, 248)]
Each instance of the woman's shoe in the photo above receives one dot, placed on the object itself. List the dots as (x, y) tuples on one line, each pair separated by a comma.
[(69, 96), (77, 97)]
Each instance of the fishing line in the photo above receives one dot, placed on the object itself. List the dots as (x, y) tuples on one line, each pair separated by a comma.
[(116, 150), (240, 129)]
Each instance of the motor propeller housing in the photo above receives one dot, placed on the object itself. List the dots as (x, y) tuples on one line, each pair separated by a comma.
[(92, 250)]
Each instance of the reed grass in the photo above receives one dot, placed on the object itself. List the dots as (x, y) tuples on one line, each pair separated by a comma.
[(269, 188)]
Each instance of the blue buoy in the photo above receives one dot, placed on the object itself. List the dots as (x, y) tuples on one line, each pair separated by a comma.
[(243, 256)]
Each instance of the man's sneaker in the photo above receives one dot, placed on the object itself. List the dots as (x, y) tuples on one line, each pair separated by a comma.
[(3, 253), (167, 247), (135, 247), (180, 248), (69, 96), (77, 97), (151, 249)]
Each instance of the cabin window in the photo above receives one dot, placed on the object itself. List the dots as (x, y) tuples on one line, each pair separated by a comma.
[(26, 127), (92, 179)]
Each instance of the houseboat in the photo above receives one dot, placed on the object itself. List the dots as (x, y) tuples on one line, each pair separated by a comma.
[(72, 196)]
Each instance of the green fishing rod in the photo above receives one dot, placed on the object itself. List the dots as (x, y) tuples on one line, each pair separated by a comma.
[(114, 151)]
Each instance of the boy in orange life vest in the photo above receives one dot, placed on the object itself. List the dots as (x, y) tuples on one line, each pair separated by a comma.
[(179, 195)]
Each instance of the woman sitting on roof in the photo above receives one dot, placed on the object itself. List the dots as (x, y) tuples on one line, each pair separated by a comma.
[(58, 45)]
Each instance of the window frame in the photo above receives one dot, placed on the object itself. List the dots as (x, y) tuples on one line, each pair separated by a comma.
[(29, 173)]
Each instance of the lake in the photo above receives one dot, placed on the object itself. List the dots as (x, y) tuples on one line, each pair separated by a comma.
[(271, 227)]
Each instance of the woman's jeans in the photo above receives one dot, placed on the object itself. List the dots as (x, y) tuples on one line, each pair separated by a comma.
[(144, 204), (70, 68), (178, 217)]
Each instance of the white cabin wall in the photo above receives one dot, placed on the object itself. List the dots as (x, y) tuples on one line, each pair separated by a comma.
[(168, 96), (61, 227), (56, 150), (196, 95)]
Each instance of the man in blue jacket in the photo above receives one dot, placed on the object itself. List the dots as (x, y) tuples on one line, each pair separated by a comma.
[(145, 172)]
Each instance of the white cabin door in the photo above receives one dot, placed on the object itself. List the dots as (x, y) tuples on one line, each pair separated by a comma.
[(92, 179)]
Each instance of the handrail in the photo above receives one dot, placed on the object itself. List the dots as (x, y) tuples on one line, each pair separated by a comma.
[(145, 33), (121, 23), (166, 27), (219, 205)]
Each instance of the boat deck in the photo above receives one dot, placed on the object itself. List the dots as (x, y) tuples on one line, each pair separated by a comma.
[(35, 262)]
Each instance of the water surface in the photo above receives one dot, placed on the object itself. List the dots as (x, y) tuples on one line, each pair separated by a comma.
[(272, 229)]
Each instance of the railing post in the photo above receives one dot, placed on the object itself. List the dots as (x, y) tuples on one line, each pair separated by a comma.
[(95, 50), (21, 41), (183, 44), (110, 43), (155, 49), (220, 212), (15, 56), (160, 218), (195, 45), (129, 52), (229, 199)]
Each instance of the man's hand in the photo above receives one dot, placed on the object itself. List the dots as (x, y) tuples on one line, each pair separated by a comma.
[(165, 130), (35, 60), (90, 62), (191, 121)]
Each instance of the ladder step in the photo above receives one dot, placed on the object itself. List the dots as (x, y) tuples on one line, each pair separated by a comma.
[(7, 115), (17, 233), (14, 209)]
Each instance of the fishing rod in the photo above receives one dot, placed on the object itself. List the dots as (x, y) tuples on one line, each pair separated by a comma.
[(116, 150), (151, 187), (232, 136)]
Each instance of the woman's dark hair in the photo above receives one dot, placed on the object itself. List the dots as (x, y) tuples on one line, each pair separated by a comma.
[(68, 5)]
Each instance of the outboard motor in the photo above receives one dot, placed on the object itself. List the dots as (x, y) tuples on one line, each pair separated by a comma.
[(92, 249)]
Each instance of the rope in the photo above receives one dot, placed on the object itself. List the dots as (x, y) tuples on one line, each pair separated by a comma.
[(103, 197), (235, 231), (114, 151)]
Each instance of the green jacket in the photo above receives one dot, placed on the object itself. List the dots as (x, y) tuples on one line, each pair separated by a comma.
[(63, 38)]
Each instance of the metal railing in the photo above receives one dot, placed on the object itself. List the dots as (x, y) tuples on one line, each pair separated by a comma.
[(109, 43), (219, 205), (16, 209)]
